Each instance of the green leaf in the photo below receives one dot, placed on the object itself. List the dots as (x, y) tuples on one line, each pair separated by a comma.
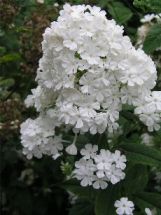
[(10, 58), (136, 179), (153, 39), (74, 187), (119, 12), (141, 159), (105, 199), (152, 198), (82, 207), (6, 83), (148, 5), (142, 154)]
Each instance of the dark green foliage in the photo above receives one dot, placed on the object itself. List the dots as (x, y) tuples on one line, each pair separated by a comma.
[(119, 12), (142, 154), (153, 39), (153, 6), (105, 200), (151, 198), (82, 207)]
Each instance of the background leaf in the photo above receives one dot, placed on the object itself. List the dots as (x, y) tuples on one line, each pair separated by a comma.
[(136, 178), (149, 5), (82, 207), (104, 204), (142, 154), (119, 12), (153, 39), (152, 198)]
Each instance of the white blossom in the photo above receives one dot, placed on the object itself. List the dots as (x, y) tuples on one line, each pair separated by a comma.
[(84, 171), (89, 151), (119, 160), (124, 206)]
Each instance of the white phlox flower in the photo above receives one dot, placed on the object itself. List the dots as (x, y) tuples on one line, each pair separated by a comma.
[(124, 206), (89, 151)]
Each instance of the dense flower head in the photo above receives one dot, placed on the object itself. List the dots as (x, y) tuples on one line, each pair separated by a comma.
[(37, 138), (99, 168), (87, 72)]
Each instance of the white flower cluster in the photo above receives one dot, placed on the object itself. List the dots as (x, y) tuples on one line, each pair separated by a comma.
[(87, 72), (37, 138), (98, 169), (149, 110)]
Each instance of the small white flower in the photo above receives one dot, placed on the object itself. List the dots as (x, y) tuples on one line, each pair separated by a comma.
[(89, 151), (124, 206), (119, 160), (84, 171), (115, 174), (103, 160)]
